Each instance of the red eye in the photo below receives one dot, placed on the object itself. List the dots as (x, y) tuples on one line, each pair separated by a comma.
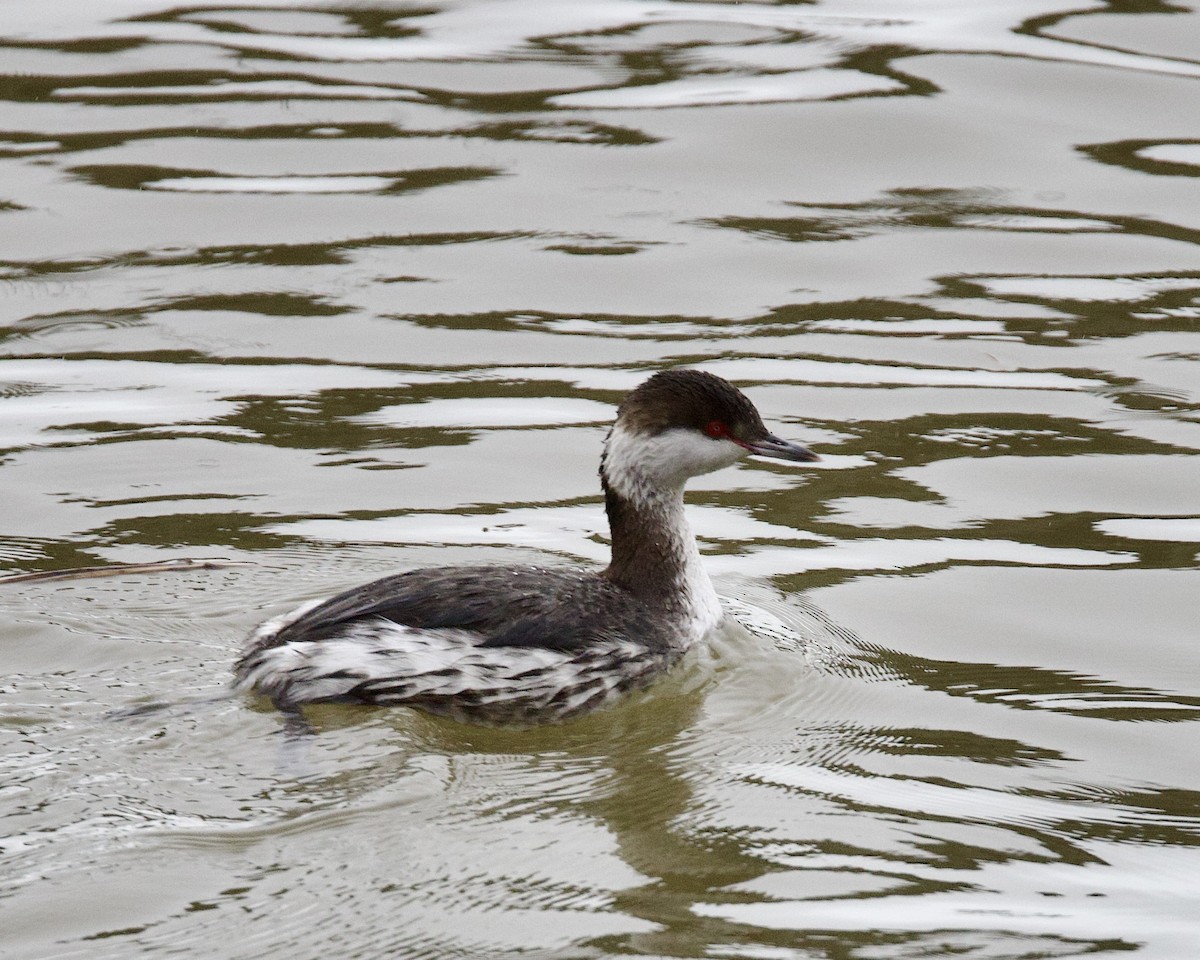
[(716, 429)]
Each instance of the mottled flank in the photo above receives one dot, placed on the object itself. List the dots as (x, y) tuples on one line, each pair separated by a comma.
[(486, 644)]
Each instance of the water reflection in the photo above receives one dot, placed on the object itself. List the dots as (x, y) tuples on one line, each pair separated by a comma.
[(1030, 688), (942, 210), (1167, 158)]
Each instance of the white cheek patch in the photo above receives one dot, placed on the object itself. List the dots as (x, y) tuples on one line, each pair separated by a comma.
[(667, 459)]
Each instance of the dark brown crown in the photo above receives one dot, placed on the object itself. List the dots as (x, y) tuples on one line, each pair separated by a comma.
[(689, 399)]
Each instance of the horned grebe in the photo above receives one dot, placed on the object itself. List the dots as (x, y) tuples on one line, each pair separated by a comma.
[(521, 645)]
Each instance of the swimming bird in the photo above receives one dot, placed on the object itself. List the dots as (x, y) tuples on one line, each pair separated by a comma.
[(519, 645)]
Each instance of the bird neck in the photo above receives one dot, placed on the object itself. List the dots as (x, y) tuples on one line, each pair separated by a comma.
[(654, 552)]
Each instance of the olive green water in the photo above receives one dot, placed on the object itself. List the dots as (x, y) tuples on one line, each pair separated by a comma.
[(337, 290)]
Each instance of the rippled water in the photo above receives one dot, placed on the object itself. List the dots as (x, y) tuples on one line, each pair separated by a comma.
[(335, 290)]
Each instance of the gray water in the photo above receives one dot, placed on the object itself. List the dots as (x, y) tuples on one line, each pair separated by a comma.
[(333, 291)]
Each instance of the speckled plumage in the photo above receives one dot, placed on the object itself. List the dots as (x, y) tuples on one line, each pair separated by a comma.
[(519, 645), (490, 644)]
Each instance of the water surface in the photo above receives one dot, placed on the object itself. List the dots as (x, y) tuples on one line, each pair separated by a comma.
[(332, 291)]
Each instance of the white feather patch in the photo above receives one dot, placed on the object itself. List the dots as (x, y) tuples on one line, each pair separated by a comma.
[(390, 663), (638, 465)]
